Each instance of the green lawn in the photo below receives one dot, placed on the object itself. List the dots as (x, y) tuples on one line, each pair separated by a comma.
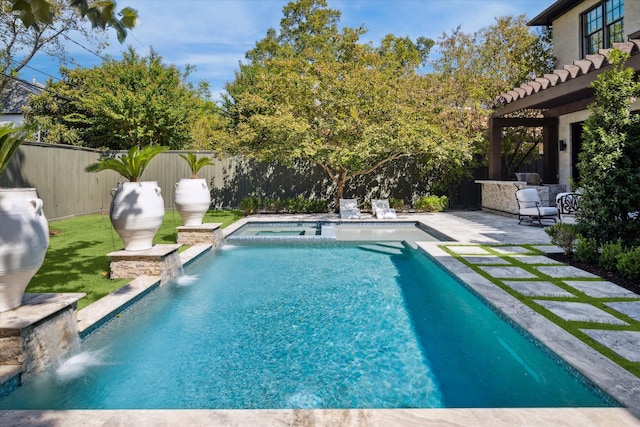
[(77, 261)]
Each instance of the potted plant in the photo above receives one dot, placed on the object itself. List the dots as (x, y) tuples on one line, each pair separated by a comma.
[(192, 197), (24, 230), (137, 207)]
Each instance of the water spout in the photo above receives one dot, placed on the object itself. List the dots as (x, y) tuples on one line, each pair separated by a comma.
[(78, 364)]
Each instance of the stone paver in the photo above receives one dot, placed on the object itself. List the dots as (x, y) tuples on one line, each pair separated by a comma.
[(625, 343), (512, 250), (579, 311), (549, 249), (565, 271), (601, 289), (536, 259), (508, 272), (538, 288), (630, 308), (468, 250), (489, 259)]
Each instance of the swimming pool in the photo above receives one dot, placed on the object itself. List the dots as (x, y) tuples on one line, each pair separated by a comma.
[(309, 325)]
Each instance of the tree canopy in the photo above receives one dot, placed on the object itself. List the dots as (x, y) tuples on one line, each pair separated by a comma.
[(29, 27), (101, 14), (473, 69), (136, 101), (316, 93)]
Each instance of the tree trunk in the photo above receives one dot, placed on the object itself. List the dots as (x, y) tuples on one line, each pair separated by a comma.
[(340, 183)]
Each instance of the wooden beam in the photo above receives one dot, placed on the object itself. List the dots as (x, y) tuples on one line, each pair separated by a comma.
[(495, 145), (531, 122), (550, 158), (572, 107)]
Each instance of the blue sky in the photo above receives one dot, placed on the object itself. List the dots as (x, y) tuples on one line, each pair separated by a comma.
[(213, 35)]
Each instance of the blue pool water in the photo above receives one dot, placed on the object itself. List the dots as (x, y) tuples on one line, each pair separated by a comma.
[(310, 325)]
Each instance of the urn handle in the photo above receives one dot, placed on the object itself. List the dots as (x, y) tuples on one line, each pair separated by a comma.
[(113, 192), (37, 206), (158, 190)]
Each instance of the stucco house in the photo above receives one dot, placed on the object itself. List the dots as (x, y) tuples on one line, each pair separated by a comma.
[(583, 32)]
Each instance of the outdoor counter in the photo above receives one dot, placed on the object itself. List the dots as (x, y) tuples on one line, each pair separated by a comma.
[(500, 196)]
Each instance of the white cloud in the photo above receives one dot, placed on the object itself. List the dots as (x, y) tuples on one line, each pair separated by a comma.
[(214, 35)]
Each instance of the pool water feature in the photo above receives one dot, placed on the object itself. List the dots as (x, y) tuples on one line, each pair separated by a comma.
[(310, 325)]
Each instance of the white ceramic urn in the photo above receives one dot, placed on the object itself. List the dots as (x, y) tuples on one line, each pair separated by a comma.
[(192, 199), (137, 211), (24, 239)]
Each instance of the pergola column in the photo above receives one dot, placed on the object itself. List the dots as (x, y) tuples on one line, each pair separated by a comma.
[(495, 148)]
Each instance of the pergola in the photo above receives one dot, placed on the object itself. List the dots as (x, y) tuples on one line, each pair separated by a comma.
[(564, 91)]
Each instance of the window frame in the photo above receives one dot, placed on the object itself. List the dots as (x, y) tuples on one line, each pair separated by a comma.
[(604, 28)]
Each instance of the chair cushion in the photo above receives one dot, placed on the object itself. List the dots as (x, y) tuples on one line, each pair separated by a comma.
[(544, 211), (387, 213), (528, 197)]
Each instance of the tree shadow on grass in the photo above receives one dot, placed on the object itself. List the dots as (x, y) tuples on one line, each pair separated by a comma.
[(71, 269)]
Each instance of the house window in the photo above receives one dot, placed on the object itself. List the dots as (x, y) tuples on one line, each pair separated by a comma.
[(602, 26)]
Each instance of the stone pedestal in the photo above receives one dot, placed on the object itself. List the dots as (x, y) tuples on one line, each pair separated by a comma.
[(35, 335), (160, 260), (203, 233)]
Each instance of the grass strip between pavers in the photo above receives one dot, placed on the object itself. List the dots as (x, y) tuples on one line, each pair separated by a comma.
[(578, 296), (77, 261)]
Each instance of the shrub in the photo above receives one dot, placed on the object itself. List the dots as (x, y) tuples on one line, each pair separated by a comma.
[(396, 203), (250, 205), (296, 205), (629, 263), (610, 253), (272, 204), (609, 162), (431, 203), (586, 250), (563, 235), (317, 206)]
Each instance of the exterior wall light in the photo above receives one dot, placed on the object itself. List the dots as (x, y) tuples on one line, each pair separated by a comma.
[(562, 145)]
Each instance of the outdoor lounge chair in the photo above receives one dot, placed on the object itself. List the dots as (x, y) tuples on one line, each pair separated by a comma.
[(380, 209), (349, 209), (568, 205), (530, 207)]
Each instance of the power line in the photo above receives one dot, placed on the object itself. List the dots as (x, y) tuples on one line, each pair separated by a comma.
[(36, 70), (78, 44)]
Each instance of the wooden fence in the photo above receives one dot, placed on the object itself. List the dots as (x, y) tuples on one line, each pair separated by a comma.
[(57, 172)]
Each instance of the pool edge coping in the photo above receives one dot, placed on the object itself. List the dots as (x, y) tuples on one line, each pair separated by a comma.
[(404, 417)]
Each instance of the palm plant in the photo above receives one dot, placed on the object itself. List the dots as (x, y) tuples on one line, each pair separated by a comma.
[(195, 163), (10, 140), (130, 165)]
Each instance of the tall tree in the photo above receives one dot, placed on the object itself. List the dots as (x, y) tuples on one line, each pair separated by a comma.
[(610, 158), (135, 101), (473, 69), (316, 93), (29, 27)]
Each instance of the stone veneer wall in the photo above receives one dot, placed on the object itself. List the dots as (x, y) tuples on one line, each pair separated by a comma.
[(37, 346), (500, 196), (190, 236), (167, 267), (46, 343)]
